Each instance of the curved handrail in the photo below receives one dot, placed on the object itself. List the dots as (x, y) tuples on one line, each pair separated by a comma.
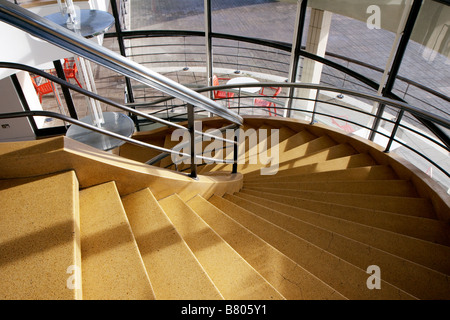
[(39, 113), (70, 41), (398, 105), (283, 46), (96, 96), (391, 102)]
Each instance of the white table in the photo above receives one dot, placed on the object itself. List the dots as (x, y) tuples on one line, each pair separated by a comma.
[(245, 80)]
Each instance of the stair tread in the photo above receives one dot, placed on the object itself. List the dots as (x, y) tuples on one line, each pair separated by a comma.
[(422, 228), (306, 163), (39, 235), (376, 187), (375, 172), (342, 163), (287, 137), (252, 162), (173, 269), (249, 148), (231, 274), (309, 147), (418, 267), (291, 280), (296, 140), (346, 278), (402, 205), (112, 266)]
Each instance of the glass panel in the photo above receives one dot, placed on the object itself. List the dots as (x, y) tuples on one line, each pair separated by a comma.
[(424, 75), (361, 35), (419, 138), (260, 19), (166, 15), (265, 19)]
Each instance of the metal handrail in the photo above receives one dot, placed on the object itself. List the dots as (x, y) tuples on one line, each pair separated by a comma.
[(46, 30), (402, 107), (282, 46), (39, 113), (95, 96), (380, 99), (391, 102), (180, 146)]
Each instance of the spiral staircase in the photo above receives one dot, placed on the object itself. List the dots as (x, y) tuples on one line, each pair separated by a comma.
[(331, 216), (79, 223)]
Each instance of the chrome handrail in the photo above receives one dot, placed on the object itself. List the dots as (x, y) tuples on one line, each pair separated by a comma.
[(95, 96), (39, 113), (46, 30), (391, 102)]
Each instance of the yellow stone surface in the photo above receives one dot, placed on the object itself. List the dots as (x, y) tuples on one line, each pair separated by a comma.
[(112, 266), (173, 269), (233, 276), (39, 238)]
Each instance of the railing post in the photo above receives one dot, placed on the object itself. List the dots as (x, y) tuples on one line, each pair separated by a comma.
[(313, 115), (394, 130), (302, 7), (235, 158), (191, 128), (239, 101)]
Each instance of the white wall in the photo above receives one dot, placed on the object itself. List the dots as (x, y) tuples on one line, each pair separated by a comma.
[(12, 129)]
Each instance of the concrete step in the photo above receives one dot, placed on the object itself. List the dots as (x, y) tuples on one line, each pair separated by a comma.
[(399, 188), (251, 146), (290, 279), (39, 238), (232, 275), (346, 278), (309, 147), (296, 140), (173, 270), (112, 265), (419, 267), (343, 163), (422, 228), (402, 205), (376, 172), (327, 154)]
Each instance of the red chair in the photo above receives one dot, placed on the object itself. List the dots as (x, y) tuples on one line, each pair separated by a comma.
[(264, 103), (346, 127), (43, 88), (221, 94), (71, 70)]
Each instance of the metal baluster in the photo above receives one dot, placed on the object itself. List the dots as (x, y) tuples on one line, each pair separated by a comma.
[(191, 129), (235, 159), (313, 116), (394, 130)]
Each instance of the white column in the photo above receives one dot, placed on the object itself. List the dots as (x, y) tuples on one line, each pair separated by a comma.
[(316, 43)]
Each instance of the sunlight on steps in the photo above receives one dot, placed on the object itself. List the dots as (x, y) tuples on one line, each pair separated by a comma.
[(335, 208)]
